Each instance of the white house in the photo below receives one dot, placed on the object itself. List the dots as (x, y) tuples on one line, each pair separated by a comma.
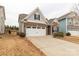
[(33, 24), (2, 19)]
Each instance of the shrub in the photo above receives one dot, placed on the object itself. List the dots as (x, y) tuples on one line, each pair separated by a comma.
[(55, 35), (21, 34), (58, 34), (9, 32), (68, 34)]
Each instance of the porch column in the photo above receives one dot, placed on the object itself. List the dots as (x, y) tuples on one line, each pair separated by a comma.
[(23, 27), (51, 30)]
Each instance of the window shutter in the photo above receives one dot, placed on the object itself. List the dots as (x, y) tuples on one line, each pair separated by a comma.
[(34, 16), (39, 17)]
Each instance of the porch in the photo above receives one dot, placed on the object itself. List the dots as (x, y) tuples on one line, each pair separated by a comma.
[(74, 30), (52, 29)]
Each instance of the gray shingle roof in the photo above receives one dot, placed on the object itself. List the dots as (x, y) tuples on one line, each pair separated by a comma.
[(21, 16), (65, 15), (50, 21)]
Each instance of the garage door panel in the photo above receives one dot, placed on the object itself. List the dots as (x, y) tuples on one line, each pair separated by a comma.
[(35, 32), (30, 32)]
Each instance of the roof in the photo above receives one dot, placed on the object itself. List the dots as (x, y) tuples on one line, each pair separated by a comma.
[(36, 21), (56, 21), (26, 17), (65, 15), (50, 21), (37, 9), (22, 16)]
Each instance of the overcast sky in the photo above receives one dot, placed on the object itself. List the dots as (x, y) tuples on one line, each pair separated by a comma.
[(50, 8)]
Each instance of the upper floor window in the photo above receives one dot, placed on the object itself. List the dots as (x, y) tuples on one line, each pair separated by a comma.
[(76, 22), (70, 21), (36, 16)]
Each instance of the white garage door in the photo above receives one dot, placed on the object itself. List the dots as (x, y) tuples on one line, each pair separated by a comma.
[(74, 33), (35, 32)]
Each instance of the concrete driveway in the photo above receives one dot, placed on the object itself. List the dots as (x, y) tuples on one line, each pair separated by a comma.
[(55, 47)]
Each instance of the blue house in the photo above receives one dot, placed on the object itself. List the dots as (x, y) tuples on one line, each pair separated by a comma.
[(69, 23)]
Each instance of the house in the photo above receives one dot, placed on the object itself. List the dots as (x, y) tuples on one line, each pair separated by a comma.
[(69, 23), (2, 20), (33, 24)]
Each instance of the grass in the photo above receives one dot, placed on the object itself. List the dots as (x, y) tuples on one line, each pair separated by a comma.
[(13, 45)]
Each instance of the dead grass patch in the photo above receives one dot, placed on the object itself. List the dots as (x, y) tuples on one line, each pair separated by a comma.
[(73, 39), (12, 45)]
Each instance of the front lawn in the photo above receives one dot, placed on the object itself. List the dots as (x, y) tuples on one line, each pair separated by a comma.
[(13, 45), (73, 39)]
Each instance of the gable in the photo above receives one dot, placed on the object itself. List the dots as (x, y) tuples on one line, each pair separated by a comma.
[(72, 14), (22, 16), (50, 21), (68, 15), (37, 12)]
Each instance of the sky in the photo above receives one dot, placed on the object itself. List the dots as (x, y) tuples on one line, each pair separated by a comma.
[(49, 8)]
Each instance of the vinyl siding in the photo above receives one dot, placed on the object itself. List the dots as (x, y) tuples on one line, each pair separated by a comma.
[(2, 21), (62, 25), (37, 12)]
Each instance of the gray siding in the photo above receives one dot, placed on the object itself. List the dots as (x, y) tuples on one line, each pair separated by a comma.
[(62, 25)]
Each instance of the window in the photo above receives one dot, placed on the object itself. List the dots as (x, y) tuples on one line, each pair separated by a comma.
[(76, 22), (25, 19), (36, 17), (33, 27), (70, 21), (43, 27), (28, 27), (38, 27)]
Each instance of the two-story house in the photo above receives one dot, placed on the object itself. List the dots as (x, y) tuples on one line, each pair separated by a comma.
[(69, 23), (33, 24), (2, 19)]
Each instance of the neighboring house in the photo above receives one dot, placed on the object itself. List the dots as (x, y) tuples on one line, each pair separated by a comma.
[(69, 23), (33, 24), (2, 20)]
